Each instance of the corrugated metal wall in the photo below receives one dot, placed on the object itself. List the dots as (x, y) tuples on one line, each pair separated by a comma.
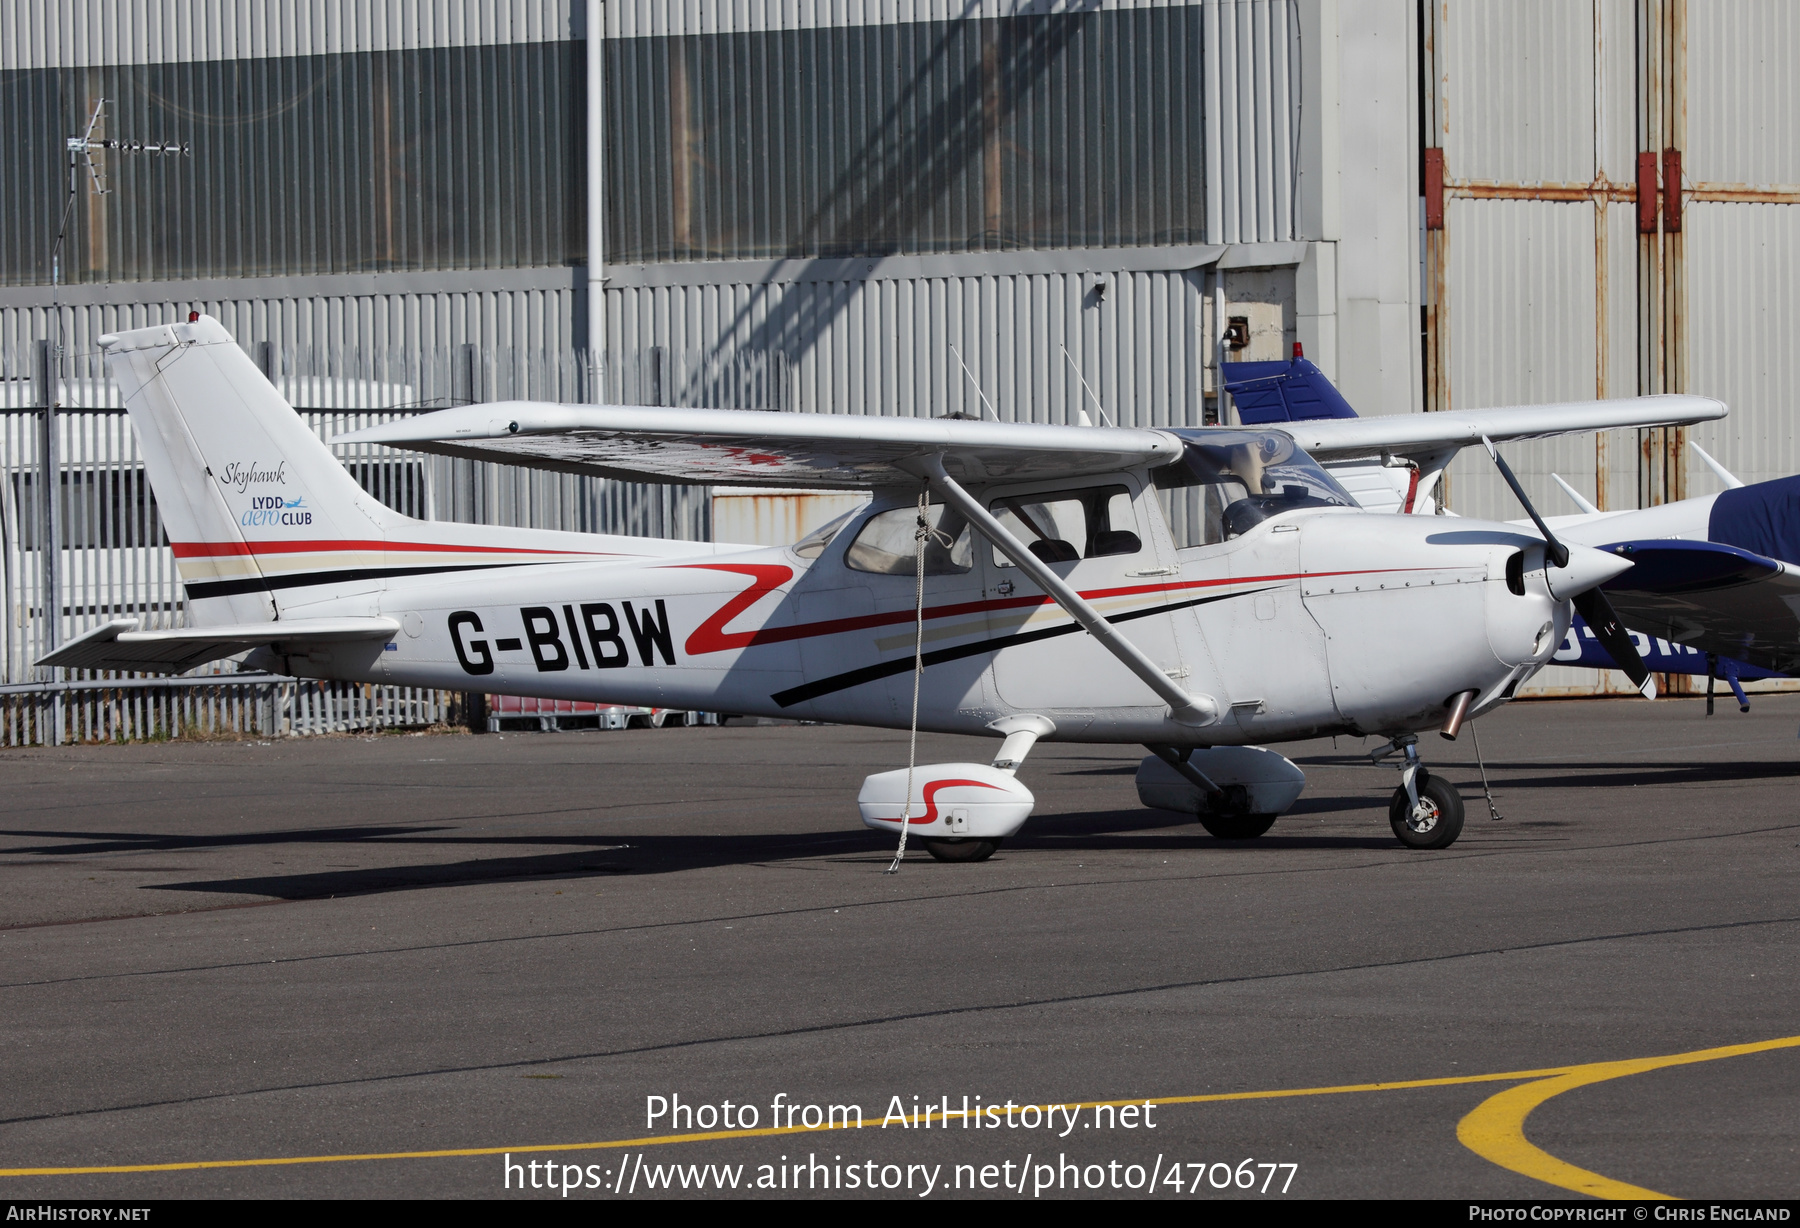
[(1241, 104), (1077, 129), (1140, 334), (1209, 141), (1534, 106), (78, 33), (1742, 231), (884, 346), (1544, 285), (436, 158)]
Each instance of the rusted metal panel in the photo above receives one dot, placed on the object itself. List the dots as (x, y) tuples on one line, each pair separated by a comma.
[(1434, 189), (1671, 164), (776, 517), (1646, 192)]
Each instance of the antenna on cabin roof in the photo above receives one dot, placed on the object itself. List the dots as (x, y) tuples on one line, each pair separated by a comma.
[(976, 382), (1098, 408)]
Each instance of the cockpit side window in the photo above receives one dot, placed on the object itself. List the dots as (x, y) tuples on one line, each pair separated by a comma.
[(888, 543), (1227, 482)]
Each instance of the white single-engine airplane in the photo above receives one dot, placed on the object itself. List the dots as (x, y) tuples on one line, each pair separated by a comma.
[(1047, 599)]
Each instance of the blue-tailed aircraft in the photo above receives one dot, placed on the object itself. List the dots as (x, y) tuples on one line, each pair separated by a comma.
[(1716, 586)]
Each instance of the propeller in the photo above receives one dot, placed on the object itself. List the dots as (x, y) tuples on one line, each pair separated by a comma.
[(1592, 604), (1603, 621)]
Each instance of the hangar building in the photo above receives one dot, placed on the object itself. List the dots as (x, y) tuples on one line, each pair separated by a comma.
[(893, 207)]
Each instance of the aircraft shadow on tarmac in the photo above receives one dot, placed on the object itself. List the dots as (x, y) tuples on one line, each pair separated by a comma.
[(1591, 773), (89, 843), (1585, 774), (605, 854)]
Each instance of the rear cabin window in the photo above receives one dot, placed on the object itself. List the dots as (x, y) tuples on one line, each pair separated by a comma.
[(1066, 526)]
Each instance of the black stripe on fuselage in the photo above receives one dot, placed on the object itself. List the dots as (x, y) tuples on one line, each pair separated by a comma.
[(887, 669), (197, 590)]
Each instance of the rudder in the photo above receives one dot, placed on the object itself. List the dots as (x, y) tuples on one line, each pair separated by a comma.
[(237, 475)]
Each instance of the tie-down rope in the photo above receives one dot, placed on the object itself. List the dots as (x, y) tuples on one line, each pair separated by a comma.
[(922, 534)]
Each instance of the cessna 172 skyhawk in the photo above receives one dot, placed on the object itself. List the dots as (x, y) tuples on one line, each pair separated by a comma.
[(1053, 603)]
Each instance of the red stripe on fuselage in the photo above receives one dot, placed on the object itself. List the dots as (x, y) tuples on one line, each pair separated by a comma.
[(711, 635), (931, 792), (188, 550)]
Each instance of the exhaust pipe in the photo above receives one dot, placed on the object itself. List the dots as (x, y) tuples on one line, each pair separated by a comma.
[(1459, 711)]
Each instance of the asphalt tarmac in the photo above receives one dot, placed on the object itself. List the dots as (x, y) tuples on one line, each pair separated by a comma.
[(340, 950)]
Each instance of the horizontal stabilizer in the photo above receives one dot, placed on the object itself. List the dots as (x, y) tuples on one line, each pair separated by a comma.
[(1420, 434), (120, 645), (1711, 597), (760, 448)]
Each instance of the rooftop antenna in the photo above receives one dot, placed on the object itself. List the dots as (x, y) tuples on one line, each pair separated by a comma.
[(1098, 408), (81, 150), (976, 382)]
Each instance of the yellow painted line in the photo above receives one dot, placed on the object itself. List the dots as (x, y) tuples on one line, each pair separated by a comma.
[(1496, 1129), (1558, 1078)]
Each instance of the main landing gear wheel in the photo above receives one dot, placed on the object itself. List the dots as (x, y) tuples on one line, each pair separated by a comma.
[(1236, 826), (1435, 822), (962, 849)]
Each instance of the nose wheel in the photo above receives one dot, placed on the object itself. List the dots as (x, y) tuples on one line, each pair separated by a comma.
[(1426, 811), (1434, 820)]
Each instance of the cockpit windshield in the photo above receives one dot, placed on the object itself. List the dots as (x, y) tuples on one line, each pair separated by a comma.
[(1241, 478)]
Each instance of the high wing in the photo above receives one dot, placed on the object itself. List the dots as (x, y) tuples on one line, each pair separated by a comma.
[(728, 447), (1713, 597), (1418, 435), (120, 645)]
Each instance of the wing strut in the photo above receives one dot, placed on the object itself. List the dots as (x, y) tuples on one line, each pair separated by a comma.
[(1184, 708)]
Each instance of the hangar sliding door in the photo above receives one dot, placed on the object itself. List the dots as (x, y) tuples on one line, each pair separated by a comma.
[(1609, 211)]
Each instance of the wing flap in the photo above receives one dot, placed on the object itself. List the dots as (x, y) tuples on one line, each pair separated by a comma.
[(725, 447), (120, 645), (1712, 597)]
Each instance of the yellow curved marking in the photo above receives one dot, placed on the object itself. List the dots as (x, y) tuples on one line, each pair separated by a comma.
[(1496, 1129), (1547, 1075)]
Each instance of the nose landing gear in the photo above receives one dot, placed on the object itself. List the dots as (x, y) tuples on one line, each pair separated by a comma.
[(1426, 811)]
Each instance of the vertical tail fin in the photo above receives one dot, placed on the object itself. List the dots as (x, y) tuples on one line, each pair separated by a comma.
[(238, 477), (1292, 391)]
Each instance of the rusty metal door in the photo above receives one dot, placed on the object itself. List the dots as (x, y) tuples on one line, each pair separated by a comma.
[(1559, 200)]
